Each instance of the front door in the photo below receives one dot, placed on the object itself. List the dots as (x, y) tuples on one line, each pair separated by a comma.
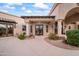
[(39, 29)]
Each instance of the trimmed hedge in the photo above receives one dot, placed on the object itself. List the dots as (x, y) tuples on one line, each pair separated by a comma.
[(73, 37)]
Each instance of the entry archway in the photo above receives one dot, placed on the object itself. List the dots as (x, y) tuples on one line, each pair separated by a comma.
[(71, 20)]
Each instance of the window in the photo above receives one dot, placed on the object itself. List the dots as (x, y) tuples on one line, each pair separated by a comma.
[(69, 27), (23, 28), (46, 28)]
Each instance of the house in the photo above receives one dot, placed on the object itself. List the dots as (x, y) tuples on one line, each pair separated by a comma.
[(61, 18)]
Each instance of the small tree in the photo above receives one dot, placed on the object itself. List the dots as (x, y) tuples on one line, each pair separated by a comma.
[(22, 36)]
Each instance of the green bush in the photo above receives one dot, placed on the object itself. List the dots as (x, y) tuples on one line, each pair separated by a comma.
[(73, 37), (22, 36), (53, 36)]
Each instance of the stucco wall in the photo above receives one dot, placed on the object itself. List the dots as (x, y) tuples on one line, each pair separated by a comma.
[(62, 9), (55, 11)]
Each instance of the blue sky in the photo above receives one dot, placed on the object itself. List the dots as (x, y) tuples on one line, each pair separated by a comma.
[(26, 9)]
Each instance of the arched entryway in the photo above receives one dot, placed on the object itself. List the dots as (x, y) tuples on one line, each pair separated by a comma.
[(71, 20)]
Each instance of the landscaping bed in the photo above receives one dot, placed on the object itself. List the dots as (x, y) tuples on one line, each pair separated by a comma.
[(60, 42), (23, 36)]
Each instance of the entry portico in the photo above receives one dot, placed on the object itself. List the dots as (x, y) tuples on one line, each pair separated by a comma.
[(39, 25)]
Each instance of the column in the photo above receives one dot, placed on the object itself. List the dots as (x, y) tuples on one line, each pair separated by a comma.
[(53, 28), (44, 29), (6, 29), (59, 27), (27, 29)]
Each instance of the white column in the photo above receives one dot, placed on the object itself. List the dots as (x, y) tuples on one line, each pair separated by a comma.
[(59, 28), (27, 29)]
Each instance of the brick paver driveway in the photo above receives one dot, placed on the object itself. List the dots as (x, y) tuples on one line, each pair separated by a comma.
[(38, 46)]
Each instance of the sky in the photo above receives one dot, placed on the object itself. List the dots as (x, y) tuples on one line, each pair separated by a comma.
[(26, 9)]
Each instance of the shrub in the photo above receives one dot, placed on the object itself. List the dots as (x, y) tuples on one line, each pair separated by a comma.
[(22, 36), (73, 37), (53, 36)]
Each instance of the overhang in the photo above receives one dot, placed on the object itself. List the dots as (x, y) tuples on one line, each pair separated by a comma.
[(35, 19), (6, 20)]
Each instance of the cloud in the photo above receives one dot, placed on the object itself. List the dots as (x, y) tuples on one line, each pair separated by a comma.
[(9, 7), (28, 11), (4, 11), (23, 8), (38, 11), (41, 5), (15, 4)]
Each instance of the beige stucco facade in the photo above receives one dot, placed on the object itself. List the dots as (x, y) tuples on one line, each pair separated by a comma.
[(62, 9), (66, 15)]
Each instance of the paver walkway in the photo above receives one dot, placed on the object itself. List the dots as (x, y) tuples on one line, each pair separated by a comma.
[(32, 47)]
